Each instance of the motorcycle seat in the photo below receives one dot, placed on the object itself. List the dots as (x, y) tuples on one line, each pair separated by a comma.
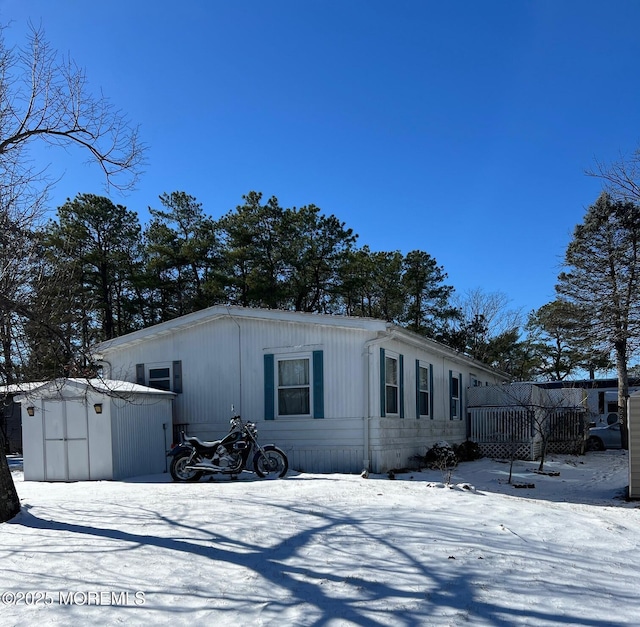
[(198, 442)]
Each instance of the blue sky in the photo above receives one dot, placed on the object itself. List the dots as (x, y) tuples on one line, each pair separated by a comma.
[(462, 128)]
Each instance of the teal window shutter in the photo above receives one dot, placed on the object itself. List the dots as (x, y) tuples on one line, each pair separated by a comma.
[(401, 384), (269, 387), (177, 377), (383, 392), (140, 374), (417, 388), (451, 410), (318, 384), (431, 391)]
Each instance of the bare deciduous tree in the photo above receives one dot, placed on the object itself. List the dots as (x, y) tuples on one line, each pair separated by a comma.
[(44, 97), (621, 177)]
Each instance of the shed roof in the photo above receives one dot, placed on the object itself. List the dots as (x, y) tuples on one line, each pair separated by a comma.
[(109, 387)]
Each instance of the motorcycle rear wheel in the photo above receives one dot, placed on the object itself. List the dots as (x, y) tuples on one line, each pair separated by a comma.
[(178, 468), (273, 464)]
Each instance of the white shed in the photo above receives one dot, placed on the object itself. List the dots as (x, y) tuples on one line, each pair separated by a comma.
[(91, 429)]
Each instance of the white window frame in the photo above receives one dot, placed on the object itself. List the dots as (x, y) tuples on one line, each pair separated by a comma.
[(387, 385), (277, 387), (457, 415), (427, 367), (159, 366)]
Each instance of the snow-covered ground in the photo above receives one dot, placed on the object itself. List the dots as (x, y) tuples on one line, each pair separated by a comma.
[(330, 549)]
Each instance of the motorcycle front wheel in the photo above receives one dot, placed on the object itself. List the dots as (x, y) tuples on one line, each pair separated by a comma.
[(179, 471), (273, 463)]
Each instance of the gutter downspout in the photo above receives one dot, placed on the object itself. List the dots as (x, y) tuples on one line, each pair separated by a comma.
[(239, 355), (366, 356), (102, 362)]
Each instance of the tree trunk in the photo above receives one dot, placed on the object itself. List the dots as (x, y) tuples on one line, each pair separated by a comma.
[(108, 327), (6, 349), (623, 391), (9, 501), (543, 454)]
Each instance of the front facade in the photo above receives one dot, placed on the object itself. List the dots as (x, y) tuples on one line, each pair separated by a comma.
[(338, 394)]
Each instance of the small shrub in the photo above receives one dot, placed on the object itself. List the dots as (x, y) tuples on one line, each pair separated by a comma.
[(468, 451), (440, 456)]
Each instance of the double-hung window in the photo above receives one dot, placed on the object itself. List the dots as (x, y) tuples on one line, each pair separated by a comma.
[(391, 384), (160, 378), (391, 387), (423, 390), (455, 395), (294, 387), (161, 375)]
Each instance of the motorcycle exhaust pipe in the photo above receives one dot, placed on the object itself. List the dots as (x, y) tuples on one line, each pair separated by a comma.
[(207, 467)]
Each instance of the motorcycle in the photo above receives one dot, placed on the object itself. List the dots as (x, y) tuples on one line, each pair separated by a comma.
[(193, 458)]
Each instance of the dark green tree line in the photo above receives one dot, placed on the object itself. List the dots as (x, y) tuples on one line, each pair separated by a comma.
[(94, 245), (107, 276), (181, 258)]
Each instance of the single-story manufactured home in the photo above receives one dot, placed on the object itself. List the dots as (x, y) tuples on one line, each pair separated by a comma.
[(337, 393)]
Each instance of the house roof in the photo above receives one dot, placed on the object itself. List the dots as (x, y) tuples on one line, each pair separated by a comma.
[(209, 314), (222, 311)]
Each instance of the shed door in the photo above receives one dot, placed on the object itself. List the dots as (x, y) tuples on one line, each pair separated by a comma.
[(65, 441)]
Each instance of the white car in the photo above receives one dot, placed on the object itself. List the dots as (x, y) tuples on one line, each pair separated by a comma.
[(601, 438)]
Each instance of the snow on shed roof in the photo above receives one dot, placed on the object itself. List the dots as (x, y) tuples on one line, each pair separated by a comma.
[(110, 387)]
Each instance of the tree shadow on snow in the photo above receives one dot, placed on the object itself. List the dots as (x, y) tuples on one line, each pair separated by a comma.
[(306, 562)]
